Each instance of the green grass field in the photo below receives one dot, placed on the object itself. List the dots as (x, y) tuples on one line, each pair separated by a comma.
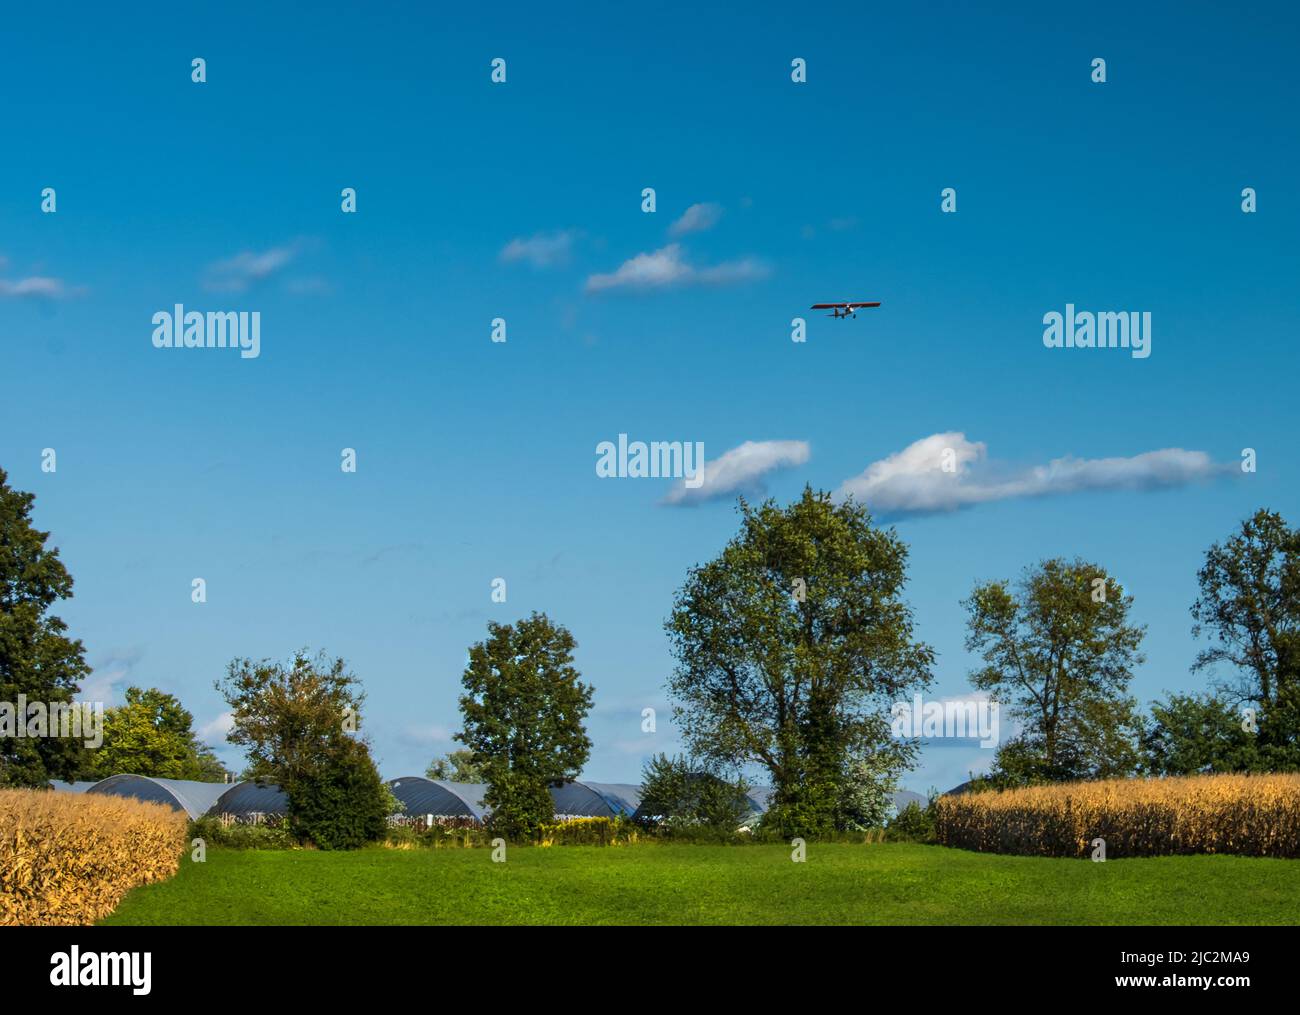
[(839, 884)]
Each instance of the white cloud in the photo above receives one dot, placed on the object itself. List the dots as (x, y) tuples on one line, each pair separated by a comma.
[(666, 268), (747, 269), (38, 286), (236, 274), (113, 671), (214, 732), (741, 470), (696, 219), (541, 250), (913, 481)]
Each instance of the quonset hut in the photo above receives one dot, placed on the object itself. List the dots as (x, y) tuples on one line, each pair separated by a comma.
[(194, 798), (582, 799), (249, 801), (442, 799)]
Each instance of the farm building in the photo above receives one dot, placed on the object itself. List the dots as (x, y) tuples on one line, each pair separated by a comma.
[(251, 800), (421, 796), (596, 799), (441, 799), (194, 798)]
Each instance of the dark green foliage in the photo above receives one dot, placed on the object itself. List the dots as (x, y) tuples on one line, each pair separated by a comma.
[(300, 725), (790, 646), (409, 833), (913, 824), (1249, 608), (37, 659), (272, 834), (1190, 734), (679, 797), (288, 717), (343, 804), (524, 708), (1060, 651)]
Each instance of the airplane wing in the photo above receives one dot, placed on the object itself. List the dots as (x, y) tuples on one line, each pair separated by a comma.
[(876, 304), (826, 306)]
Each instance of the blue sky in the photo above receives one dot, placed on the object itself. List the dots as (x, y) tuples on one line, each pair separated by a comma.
[(476, 460)]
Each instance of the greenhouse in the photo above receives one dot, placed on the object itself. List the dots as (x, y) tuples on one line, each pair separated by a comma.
[(252, 801), (423, 796), (194, 798), (596, 799), (246, 801)]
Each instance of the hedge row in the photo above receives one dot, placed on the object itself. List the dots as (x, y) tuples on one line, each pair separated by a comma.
[(1247, 815), (67, 859)]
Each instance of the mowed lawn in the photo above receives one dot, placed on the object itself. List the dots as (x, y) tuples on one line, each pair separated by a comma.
[(656, 884)]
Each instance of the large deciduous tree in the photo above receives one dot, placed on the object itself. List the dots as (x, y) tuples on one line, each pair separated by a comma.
[(1249, 606), (791, 646), (300, 725), (37, 658), (1059, 650), (152, 734), (524, 709)]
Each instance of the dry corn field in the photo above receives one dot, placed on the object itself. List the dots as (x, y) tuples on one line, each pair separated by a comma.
[(1247, 815), (69, 858)]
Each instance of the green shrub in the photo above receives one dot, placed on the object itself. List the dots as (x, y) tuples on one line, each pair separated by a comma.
[(271, 834), (913, 824), (687, 802), (342, 805), (591, 832), (444, 833)]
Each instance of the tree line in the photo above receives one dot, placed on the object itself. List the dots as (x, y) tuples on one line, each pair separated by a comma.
[(789, 649)]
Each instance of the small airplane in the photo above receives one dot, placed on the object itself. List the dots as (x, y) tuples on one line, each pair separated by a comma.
[(843, 309)]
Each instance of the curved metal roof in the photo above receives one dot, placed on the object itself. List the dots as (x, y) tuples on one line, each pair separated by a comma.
[(761, 798), (440, 798), (583, 799), (244, 798), (194, 798), (70, 787)]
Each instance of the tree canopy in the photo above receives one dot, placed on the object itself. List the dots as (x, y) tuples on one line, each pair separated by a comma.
[(790, 647), (300, 725), (1249, 608), (152, 735), (1059, 650), (37, 658), (524, 710)]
